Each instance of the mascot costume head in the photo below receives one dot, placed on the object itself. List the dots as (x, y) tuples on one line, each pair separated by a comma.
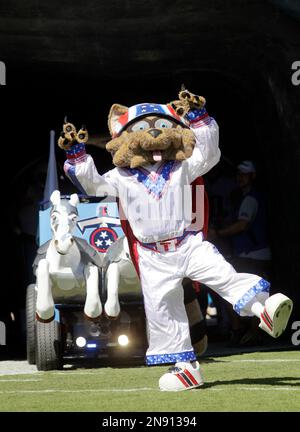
[(147, 133)]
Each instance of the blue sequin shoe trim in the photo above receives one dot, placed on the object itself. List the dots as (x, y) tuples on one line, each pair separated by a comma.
[(261, 286), (170, 358)]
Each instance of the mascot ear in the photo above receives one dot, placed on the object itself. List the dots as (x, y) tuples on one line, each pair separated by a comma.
[(115, 112), (55, 197), (74, 200)]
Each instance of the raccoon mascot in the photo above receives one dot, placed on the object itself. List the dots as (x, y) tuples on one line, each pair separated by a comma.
[(160, 152)]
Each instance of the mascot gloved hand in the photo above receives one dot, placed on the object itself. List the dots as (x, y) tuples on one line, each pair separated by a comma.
[(188, 105), (69, 135)]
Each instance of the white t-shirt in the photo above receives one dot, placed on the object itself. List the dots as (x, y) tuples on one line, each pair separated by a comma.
[(248, 211)]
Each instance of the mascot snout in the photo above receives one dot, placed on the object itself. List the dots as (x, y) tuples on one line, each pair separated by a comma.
[(154, 132)]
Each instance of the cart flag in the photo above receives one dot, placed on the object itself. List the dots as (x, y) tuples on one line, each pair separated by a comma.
[(52, 179)]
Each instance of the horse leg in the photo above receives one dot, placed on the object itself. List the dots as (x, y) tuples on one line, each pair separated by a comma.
[(112, 305), (44, 302), (93, 306)]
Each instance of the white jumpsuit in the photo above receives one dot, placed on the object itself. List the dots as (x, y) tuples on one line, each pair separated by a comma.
[(157, 202)]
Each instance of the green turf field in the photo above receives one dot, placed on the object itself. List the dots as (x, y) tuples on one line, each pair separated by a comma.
[(268, 381)]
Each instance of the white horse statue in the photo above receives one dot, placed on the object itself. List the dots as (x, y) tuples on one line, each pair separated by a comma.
[(66, 267)]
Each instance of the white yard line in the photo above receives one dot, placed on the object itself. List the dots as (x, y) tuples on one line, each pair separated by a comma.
[(19, 380), (262, 360), (97, 372), (258, 389), (79, 391), (129, 390)]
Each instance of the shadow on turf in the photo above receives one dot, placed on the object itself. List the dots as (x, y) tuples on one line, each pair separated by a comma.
[(119, 363), (206, 360), (275, 381)]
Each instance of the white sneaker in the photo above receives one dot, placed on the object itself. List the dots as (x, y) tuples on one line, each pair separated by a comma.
[(182, 376), (276, 313)]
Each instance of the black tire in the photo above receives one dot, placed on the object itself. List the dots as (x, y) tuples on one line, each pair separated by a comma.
[(30, 323), (48, 346)]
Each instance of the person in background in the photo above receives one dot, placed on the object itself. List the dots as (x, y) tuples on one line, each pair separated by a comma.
[(249, 231), (248, 235)]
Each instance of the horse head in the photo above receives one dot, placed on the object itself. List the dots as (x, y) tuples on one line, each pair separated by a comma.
[(63, 217)]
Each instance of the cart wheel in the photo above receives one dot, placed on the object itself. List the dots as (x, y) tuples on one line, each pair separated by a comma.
[(48, 346), (30, 323)]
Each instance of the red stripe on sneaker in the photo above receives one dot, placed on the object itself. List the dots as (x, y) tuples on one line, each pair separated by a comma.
[(267, 316), (191, 377), (266, 322), (182, 380)]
